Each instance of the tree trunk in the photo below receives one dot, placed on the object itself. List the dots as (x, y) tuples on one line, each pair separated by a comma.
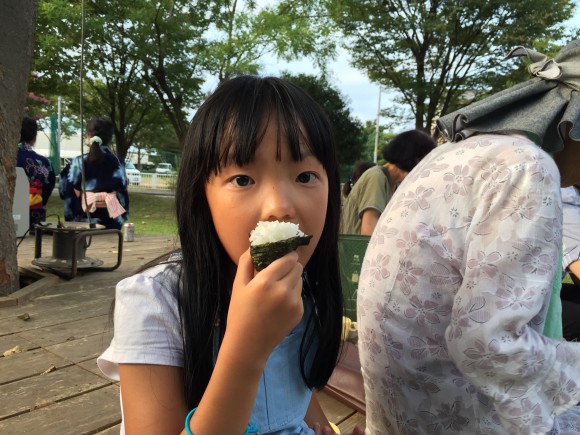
[(16, 45)]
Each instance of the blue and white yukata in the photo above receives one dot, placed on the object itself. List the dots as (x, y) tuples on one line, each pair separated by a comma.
[(108, 176)]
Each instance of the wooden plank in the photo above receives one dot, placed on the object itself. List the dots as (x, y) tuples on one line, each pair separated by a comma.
[(69, 331), (27, 394), (93, 412), (346, 427), (115, 430), (75, 398), (346, 383), (27, 364), (54, 312), (8, 342), (84, 348), (334, 410)]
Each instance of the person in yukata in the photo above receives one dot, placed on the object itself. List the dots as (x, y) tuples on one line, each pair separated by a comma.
[(38, 169), (457, 284), (104, 195), (72, 204)]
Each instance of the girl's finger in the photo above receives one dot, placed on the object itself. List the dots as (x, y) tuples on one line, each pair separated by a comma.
[(245, 271)]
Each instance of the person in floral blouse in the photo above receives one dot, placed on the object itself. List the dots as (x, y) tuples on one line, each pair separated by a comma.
[(456, 284), (38, 169)]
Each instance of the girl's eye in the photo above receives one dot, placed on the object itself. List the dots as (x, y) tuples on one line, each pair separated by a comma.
[(306, 177), (241, 181)]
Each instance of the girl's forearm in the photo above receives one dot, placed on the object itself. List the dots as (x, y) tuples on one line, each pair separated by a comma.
[(227, 403)]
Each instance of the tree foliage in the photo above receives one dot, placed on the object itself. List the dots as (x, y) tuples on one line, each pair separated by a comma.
[(168, 40), (433, 51), (146, 62), (348, 131), (243, 35)]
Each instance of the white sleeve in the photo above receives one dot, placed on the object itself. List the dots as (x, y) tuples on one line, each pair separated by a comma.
[(146, 324)]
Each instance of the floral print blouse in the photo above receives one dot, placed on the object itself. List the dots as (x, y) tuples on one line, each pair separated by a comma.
[(453, 295)]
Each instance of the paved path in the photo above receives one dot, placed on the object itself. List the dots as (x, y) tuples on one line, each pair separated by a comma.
[(52, 384)]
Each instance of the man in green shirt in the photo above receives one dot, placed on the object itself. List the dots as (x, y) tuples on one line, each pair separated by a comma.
[(373, 190)]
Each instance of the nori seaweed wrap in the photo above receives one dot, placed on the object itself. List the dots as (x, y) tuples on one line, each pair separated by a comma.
[(272, 240)]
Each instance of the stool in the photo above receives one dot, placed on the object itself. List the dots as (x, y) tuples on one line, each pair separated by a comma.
[(69, 248)]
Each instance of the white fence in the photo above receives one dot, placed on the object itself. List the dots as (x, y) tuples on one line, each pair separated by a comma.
[(154, 181)]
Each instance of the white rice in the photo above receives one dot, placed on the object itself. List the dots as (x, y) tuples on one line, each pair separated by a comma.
[(269, 232)]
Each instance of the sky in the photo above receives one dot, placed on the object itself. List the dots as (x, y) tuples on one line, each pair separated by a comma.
[(362, 95)]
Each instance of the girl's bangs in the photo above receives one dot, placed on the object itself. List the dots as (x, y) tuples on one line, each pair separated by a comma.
[(240, 112), (244, 132)]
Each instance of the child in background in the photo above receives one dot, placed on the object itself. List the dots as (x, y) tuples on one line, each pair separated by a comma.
[(359, 169), (38, 169), (201, 333)]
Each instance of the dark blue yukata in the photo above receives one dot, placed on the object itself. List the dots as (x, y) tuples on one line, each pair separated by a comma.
[(41, 181)]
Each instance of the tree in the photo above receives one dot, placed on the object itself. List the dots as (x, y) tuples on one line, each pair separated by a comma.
[(244, 34), (113, 75), (16, 41), (56, 59), (433, 51), (168, 37), (370, 133), (348, 131), (169, 48)]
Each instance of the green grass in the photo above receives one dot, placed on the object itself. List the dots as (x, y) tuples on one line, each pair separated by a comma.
[(151, 214)]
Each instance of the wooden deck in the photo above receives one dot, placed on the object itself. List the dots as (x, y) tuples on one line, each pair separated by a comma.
[(52, 385)]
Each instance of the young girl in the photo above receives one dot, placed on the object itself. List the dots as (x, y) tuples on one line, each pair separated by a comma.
[(202, 331)]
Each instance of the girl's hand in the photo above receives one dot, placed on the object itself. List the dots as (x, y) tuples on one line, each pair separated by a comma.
[(326, 430), (266, 306)]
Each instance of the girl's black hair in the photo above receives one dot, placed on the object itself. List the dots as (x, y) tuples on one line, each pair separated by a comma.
[(103, 128), (359, 169), (28, 130), (233, 118)]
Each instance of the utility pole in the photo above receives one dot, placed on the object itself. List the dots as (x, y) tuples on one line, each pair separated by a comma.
[(376, 153), (54, 150), (59, 125)]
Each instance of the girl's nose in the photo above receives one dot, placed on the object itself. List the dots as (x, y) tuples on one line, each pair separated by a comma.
[(278, 203)]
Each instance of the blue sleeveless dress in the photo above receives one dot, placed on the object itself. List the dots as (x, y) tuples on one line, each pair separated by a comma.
[(283, 397)]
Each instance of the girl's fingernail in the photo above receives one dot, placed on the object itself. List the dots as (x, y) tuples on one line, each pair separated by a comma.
[(315, 427)]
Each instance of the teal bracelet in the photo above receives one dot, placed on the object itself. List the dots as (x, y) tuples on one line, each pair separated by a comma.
[(252, 428), (187, 420)]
